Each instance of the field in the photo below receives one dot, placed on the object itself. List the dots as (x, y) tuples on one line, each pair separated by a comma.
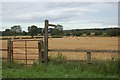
[(84, 43)]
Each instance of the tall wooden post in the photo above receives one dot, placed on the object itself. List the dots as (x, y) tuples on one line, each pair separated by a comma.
[(46, 42)]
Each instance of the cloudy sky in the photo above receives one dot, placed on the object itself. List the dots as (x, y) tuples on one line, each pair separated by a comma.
[(72, 15)]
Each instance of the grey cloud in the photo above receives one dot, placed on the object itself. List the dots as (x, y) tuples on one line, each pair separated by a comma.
[(34, 14), (66, 12)]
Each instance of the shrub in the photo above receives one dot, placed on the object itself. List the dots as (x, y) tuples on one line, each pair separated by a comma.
[(57, 36)]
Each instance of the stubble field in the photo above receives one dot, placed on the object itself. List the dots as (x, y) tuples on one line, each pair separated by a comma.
[(74, 43)]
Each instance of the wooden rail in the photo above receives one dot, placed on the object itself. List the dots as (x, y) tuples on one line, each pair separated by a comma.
[(99, 51), (63, 50), (3, 49), (88, 54)]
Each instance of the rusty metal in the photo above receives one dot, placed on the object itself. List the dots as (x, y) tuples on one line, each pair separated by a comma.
[(25, 47), (24, 40), (3, 49), (27, 53)]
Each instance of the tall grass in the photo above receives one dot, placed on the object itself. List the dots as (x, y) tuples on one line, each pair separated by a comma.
[(98, 69)]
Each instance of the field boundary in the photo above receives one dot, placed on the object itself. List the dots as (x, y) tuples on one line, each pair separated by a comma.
[(70, 50)]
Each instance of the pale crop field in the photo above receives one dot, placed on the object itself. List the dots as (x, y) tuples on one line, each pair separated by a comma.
[(82, 43), (85, 43)]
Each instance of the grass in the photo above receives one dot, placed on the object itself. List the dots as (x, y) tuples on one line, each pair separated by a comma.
[(107, 69)]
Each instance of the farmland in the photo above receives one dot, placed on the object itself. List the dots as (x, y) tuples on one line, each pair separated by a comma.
[(73, 43)]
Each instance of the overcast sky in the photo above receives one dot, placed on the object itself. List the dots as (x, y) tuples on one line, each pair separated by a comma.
[(72, 15)]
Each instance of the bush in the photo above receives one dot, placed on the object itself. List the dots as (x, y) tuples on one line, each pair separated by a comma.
[(57, 36)]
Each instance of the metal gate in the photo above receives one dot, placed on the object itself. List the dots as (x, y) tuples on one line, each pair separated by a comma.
[(25, 51)]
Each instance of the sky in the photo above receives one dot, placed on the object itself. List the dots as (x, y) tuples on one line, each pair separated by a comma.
[(72, 15)]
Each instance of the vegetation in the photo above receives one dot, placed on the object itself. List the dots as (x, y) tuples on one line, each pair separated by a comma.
[(56, 36), (93, 32), (62, 70), (98, 69), (33, 30)]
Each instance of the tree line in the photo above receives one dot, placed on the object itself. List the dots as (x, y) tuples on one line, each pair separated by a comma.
[(93, 32), (34, 30)]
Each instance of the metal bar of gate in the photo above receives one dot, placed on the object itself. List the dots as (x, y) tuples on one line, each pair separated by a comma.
[(25, 52)]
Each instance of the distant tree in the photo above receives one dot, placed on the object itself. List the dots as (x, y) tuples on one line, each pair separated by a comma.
[(113, 32), (66, 34), (40, 30), (24, 33), (29, 28), (0, 33), (98, 33), (88, 33), (59, 27), (76, 33), (57, 32), (7, 32), (33, 30), (16, 28)]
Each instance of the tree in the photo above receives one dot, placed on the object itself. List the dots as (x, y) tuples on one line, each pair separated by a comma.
[(113, 32), (32, 30), (16, 28), (7, 32), (0, 33), (40, 30), (98, 33), (24, 33), (76, 33), (59, 27), (57, 32)]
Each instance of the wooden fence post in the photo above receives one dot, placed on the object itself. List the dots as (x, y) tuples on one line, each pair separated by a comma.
[(46, 42), (89, 57), (9, 53), (40, 49)]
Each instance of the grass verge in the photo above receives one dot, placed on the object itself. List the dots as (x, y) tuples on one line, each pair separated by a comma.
[(106, 69)]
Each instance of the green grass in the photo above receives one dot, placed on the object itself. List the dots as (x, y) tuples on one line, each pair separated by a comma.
[(107, 69)]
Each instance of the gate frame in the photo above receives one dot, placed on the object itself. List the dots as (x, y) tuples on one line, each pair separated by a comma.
[(10, 50)]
